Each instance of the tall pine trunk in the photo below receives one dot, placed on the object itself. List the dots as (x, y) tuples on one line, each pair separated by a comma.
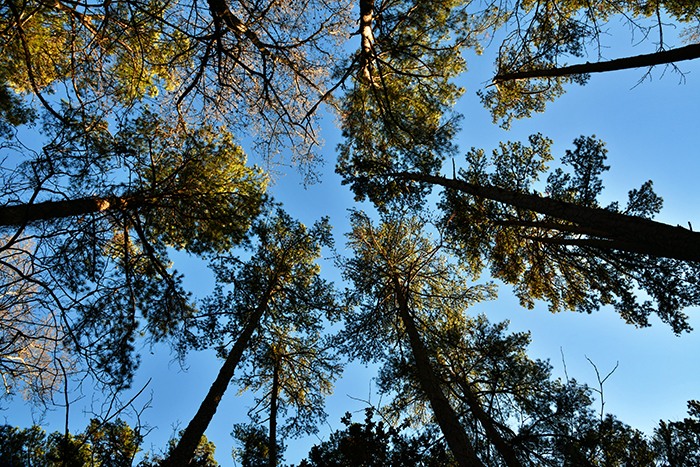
[(625, 233), (21, 214), (689, 52), (185, 449), (272, 448), (456, 437)]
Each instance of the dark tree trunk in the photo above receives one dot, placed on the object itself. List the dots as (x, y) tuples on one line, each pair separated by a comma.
[(367, 37), (184, 451), (456, 437), (273, 414), (21, 214), (502, 446), (623, 232), (689, 52)]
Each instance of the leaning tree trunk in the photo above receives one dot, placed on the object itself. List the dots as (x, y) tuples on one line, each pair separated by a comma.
[(456, 437), (21, 214), (689, 52), (274, 397), (627, 233), (185, 449)]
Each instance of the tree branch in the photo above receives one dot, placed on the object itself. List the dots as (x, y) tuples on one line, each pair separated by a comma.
[(689, 52)]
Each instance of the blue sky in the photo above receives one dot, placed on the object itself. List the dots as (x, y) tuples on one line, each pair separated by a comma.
[(652, 132)]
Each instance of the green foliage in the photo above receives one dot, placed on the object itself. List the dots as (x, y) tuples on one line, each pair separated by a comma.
[(373, 444), (516, 99), (306, 367), (400, 253), (200, 195), (677, 443), (397, 116), (405, 286), (113, 444), (152, 186), (102, 444), (573, 267), (253, 450), (13, 111), (146, 84), (476, 354), (283, 265), (546, 421), (183, 57), (66, 450), (288, 359), (203, 455), (545, 35), (119, 52), (21, 448)]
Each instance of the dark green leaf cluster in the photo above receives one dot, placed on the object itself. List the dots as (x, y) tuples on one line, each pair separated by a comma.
[(253, 446), (677, 443), (102, 444), (573, 266), (374, 444), (203, 455), (13, 111)]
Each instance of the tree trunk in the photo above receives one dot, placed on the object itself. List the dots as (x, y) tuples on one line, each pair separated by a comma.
[(184, 451), (21, 214), (492, 433), (629, 233), (273, 414), (689, 52), (454, 433), (367, 37)]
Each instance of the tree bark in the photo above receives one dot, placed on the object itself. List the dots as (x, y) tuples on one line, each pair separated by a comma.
[(21, 214), (689, 52), (184, 451), (272, 441), (454, 433), (367, 37), (492, 433), (629, 233)]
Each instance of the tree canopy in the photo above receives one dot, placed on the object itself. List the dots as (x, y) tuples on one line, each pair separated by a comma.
[(126, 130)]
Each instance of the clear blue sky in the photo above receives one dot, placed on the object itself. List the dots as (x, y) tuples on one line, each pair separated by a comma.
[(652, 132)]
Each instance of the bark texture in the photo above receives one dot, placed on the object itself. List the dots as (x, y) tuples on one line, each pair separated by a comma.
[(367, 37), (21, 214), (618, 231), (272, 441)]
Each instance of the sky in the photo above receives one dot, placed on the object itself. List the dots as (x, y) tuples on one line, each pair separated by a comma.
[(651, 131)]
